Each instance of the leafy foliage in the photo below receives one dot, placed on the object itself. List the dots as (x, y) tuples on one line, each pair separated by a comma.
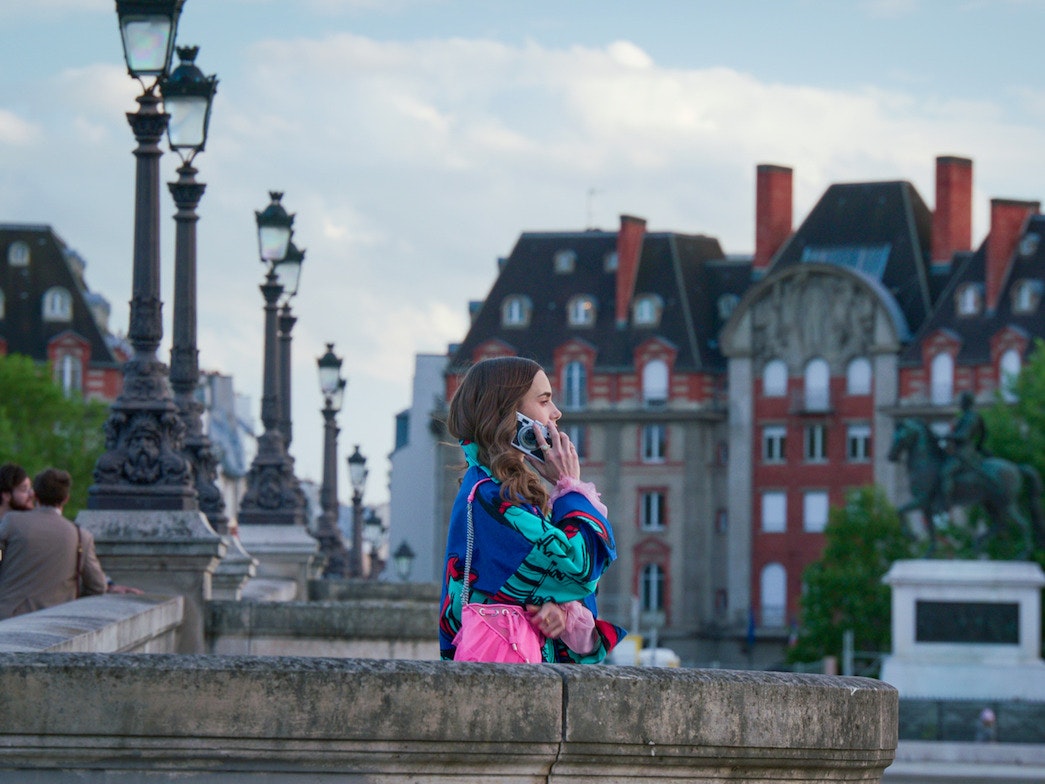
[(41, 428), (844, 589)]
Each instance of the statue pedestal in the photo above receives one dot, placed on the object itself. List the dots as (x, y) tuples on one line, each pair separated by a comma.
[(966, 630), (283, 552)]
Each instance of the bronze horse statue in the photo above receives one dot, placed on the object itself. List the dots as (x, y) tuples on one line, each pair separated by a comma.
[(996, 484)]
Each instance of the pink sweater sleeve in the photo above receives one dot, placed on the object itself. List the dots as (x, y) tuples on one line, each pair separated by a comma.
[(568, 484), (580, 635)]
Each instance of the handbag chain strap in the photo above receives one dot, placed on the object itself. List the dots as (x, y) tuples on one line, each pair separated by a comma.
[(466, 589)]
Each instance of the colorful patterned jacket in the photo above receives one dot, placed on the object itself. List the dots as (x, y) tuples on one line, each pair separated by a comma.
[(522, 557)]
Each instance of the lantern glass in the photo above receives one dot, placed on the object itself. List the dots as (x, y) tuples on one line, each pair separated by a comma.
[(188, 124), (357, 470), (329, 371)]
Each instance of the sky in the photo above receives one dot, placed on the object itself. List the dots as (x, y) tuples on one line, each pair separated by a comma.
[(414, 140)]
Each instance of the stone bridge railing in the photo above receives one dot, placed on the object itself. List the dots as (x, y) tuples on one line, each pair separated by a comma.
[(187, 718)]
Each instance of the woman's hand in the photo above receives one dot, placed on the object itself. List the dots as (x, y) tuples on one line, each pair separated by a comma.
[(560, 455), (549, 619)]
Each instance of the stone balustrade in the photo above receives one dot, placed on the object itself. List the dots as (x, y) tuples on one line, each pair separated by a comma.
[(93, 718)]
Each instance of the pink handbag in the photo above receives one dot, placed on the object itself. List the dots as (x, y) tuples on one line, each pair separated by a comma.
[(493, 632)]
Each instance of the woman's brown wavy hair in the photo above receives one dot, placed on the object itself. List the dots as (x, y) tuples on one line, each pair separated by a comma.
[(482, 410)]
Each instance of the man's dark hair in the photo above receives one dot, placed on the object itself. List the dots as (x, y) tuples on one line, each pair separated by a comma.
[(52, 486), (11, 475)]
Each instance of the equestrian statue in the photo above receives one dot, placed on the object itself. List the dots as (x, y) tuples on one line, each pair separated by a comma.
[(960, 472)]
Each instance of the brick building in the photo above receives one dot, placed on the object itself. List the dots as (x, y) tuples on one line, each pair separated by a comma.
[(722, 404)]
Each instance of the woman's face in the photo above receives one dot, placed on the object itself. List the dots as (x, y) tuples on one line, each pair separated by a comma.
[(537, 402)]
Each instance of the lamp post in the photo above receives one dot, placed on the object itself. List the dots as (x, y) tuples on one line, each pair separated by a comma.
[(332, 387), (188, 96), (273, 494), (404, 560), (143, 467), (374, 533), (357, 474), (288, 273)]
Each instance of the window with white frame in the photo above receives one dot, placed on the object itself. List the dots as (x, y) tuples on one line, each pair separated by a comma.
[(774, 443), (773, 595), (609, 262), (774, 512), (652, 582), (1026, 295), (654, 443), (652, 518), (574, 386), (565, 261), (814, 511), (817, 385), (774, 378), (68, 372), (515, 311), (578, 435), (941, 379), (580, 312), (968, 299), (57, 304), (816, 443), (655, 383), (18, 254), (858, 443), (1008, 369), (646, 310), (858, 376)]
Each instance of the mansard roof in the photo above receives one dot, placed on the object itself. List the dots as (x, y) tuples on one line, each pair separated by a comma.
[(882, 229), (974, 331), (686, 273), (50, 264)]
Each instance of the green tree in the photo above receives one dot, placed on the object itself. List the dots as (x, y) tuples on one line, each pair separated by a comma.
[(844, 589), (1016, 430), (40, 427)]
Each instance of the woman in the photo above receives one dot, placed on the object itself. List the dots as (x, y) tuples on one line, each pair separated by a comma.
[(531, 548)]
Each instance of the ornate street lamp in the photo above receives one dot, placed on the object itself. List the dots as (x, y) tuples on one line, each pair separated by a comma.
[(332, 387), (288, 273), (357, 474), (187, 96), (404, 560), (143, 467), (273, 494), (374, 531)]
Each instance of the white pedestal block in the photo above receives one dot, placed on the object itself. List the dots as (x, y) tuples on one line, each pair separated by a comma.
[(966, 630)]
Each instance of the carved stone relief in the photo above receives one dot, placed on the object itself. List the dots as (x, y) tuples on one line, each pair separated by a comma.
[(812, 314)]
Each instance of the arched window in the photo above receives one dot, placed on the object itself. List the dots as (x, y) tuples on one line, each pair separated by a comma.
[(515, 311), (817, 385), (580, 312), (967, 300), (1025, 296), (574, 385), (858, 376), (773, 594), (18, 254), (941, 379), (68, 373), (655, 383), (57, 305), (774, 378), (646, 310), (1009, 368), (652, 587)]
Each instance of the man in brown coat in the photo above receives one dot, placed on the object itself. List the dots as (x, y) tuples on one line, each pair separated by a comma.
[(41, 550)]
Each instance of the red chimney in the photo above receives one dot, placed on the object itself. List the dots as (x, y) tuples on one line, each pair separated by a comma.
[(1008, 218), (629, 250), (772, 212), (952, 220)]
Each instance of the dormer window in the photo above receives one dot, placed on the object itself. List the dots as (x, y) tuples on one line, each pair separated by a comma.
[(18, 254), (727, 303), (565, 261), (968, 300), (646, 310), (515, 311), (57, 305), (609, 261), (581, 311), (1029, 244), (1026, 294)]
